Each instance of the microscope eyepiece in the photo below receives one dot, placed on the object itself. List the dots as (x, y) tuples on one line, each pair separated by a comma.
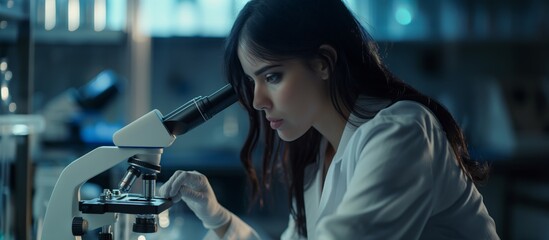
[(199, 110)]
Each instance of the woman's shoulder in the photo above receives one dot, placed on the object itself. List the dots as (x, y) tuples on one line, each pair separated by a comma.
[(404, 128), (406, 113), (397, 120), (398, 124)]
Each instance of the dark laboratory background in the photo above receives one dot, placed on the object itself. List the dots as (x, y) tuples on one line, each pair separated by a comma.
[(75, 71)]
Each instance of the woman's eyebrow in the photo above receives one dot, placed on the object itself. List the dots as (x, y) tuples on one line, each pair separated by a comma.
[(264, 69)]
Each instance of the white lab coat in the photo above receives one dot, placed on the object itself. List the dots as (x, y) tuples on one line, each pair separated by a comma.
[(393, 177)]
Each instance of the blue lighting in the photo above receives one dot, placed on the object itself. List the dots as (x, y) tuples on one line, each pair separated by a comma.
[(403, 16)]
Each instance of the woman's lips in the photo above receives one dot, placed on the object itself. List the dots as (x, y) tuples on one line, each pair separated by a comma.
[(276, 123)]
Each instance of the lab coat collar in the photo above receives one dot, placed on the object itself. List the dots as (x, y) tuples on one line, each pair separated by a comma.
[(331, 189), (365, 102)]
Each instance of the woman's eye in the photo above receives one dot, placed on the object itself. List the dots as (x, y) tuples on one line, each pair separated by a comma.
[(273, 77)]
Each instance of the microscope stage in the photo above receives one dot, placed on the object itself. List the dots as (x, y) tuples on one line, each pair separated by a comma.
[(131, 204)]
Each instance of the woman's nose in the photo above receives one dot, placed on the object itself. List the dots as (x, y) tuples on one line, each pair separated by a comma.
[(261, 99)]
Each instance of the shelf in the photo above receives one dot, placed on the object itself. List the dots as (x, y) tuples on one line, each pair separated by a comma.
[(535, 40), (21, 124), (8, 35), (12, 14), (78, 37)]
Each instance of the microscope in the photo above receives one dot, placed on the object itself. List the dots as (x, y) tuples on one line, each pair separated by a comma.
[(140, 143)]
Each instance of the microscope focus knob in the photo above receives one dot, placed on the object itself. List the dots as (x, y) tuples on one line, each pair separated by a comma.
[(79, 226)]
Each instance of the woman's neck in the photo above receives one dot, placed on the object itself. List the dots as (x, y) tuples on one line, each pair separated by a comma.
[(328, 157), (331, 125)]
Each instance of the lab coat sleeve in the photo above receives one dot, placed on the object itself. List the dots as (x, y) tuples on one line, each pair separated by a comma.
[(238, 230), (389, 194)]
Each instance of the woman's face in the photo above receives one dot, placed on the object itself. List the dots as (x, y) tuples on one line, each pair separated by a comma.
[(292, 94)]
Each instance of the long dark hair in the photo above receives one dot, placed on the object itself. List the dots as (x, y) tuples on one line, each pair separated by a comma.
[(282, 29)]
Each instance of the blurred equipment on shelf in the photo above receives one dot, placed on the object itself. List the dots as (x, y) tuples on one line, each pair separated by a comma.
[(6, 106), (66, 113)]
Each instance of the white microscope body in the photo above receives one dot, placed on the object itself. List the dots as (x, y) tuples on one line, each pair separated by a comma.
[(140, 143), (146, 136)]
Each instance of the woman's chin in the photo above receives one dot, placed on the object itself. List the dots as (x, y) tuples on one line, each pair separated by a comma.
[(287, 137)]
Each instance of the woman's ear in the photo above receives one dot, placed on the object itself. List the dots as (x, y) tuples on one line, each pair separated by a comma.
[(326, 61)]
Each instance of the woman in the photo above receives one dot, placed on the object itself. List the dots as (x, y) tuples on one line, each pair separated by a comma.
[(365, 155)]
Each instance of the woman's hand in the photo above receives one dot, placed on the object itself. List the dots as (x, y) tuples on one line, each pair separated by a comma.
[(195, 190)]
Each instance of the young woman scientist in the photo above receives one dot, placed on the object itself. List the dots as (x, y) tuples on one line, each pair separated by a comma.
[(365, 156)]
